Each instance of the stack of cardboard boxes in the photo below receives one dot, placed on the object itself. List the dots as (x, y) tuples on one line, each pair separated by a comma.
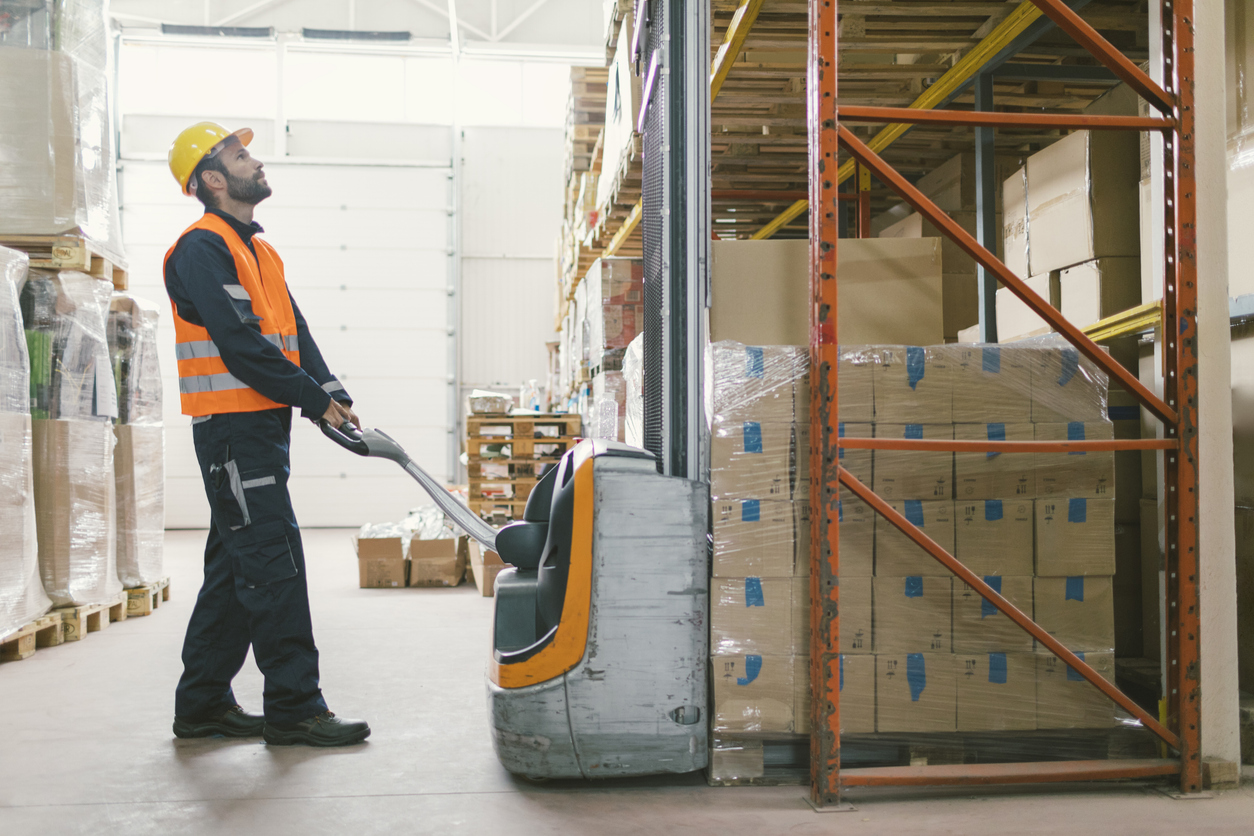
[(1072, 229), (606, 316), (921, 652)]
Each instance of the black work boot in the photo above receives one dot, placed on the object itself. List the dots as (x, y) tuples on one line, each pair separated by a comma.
[(323, 729), (234, 722)]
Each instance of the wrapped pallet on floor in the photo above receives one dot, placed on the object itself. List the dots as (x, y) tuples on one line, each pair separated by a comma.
[(139, 459), (22, 597), (74, 404)]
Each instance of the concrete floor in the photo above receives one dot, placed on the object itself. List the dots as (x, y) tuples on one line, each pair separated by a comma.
[(87, 746)]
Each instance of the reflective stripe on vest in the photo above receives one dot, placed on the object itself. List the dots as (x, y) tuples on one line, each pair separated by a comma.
[(206, 386)]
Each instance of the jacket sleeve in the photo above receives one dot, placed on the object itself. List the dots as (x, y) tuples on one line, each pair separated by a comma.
[(311, 359), (205, 280)]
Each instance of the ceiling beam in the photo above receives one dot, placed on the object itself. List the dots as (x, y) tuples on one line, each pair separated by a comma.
[(444, 13), (249, 11), (454, 38), (532, 9)]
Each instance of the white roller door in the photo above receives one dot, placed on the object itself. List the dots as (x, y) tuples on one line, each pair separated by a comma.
[(366, 252)]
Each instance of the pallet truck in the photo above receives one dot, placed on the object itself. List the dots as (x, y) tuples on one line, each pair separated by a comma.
[(599, 638)]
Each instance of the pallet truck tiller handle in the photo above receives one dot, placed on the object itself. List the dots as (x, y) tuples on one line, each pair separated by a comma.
[(378, 444)]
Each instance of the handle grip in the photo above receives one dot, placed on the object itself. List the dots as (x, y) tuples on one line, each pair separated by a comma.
[(347, 436)]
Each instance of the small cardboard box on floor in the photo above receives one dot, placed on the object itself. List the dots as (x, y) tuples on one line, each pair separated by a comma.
[(437, 562), (381, 562), (392, 563), (484, 566)]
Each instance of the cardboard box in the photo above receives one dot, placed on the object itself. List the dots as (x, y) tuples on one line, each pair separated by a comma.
[(1100, 288), (995, 536), (74, 510), (890, 292), (991, 383), (751, 460), (913, 614), (801, 615), (1082, 200), (802, 698), (857, 537), (753, 693), (914, 474), (622, 111), (484, 567), (857, 694), (1014, 191), (953, 258), (952, 185), (994, 475), (856, 616), (896, 555), (753, 537), (857, 462), (855, 381), (1075, 536), (756, 383), (961, 304), (1015, 320), (752, 615), (996, 691), (736, 759), (1067, 387), (381, 562), (1078, 611), (1066, 700), (979, 627), (914, 385), (139, 482), (437, 562), (1088, 473), (915, 692)]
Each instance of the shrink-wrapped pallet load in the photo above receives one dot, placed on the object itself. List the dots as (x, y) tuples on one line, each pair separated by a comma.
[(55, 118), (74, 404), (139, 459), (22, 595)]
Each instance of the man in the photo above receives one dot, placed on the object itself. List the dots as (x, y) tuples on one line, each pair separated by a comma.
[(245, 358)]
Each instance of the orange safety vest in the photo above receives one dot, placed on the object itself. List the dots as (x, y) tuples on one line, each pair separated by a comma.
[(206, 387)]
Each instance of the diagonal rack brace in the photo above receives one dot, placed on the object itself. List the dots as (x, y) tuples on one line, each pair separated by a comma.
[(1013, 613), (967, 243)]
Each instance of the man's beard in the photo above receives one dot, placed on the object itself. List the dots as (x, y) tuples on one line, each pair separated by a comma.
[(250, 191)]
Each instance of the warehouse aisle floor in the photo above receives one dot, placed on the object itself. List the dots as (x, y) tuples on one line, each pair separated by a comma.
[(86, 745)]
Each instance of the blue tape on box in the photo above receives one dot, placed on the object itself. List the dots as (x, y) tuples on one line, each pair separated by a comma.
[(1073, 675), (753, 667), (996, 432), (993, 510), (755, 366), (840, 433), (914, 431), (1077, 510), (997, 668), (916, 675), (916, 364), (1075, 432), (841, 686), (1075, 589), (840, 510), (914, 586), (990, 358), (753, 437), (914, 512), (753, 593), (1070, 365), (750, 510), (986, 608)]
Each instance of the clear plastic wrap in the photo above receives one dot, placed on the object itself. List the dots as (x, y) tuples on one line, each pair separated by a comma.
[(613, 312), (756, 693), (55, 117), (1075, 536), (1088, 473), (757, 383), (995, 536), (607, 409), (633, 380), (991, 383), (913, 614), (764, 616), (979, 627), (989, 475), (911, 474), (139, 458), (74, 402), (754, 538), (896, 555), (912, 384), (22, 595)]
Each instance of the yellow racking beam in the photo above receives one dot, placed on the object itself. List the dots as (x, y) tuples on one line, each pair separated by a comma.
[(624, 232), (1129, 322), (959, 74)]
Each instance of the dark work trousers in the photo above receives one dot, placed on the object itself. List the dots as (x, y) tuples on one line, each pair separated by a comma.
[(254, 590)]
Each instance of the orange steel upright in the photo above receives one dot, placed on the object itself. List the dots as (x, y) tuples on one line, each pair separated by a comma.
[(1177, 409)]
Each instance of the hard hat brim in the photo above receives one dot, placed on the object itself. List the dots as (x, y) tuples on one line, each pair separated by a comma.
[(244, 135)]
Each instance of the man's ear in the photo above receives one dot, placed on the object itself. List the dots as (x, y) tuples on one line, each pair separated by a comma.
[(213, 179)]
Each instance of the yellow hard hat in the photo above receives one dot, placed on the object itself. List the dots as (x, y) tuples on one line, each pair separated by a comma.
[(195, 143)]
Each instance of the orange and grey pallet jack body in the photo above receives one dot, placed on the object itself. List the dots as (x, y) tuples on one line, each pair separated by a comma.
[(597, 667)]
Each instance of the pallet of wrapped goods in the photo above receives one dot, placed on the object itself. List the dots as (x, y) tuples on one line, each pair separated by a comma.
[(74, 404), (22, 597), (139, 458)]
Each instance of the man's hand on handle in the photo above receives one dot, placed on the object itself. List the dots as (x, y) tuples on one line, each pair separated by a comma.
[(337, 413)]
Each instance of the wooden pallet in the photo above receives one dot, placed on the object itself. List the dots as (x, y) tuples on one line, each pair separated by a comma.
[(69, 252), (524, 426), (76, 622), (518, 469), (142, 600), (522, 488), (512, 507), (44, 631), (520, 448)]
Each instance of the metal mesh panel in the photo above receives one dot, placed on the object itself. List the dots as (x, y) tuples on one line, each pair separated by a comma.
[(652, 221)]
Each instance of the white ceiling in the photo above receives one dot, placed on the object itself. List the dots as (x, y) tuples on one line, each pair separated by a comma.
[(562, 24)]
